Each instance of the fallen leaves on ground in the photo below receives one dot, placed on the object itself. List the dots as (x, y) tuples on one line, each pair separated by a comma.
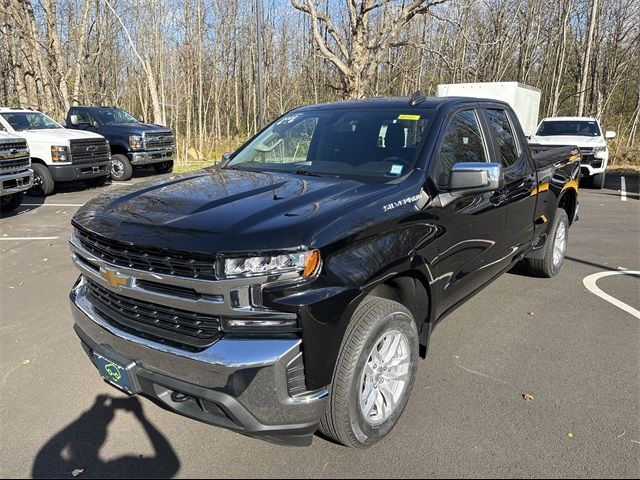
[(527, 396)]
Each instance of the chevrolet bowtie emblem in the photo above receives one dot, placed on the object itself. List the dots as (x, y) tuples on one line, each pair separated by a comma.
[(114, 278)]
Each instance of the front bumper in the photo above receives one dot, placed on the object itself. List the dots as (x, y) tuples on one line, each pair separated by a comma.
[(67, 173), (146, 158), (16, 182), (236, 383)]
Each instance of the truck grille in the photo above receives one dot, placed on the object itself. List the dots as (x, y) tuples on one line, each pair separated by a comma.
[(149, 259), (158, 321), (89, 150), (14, 156), (159, 140)]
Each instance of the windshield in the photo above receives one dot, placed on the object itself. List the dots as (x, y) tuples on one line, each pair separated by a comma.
[(370, 144), (29, 121), (112, 116), (580, 128)]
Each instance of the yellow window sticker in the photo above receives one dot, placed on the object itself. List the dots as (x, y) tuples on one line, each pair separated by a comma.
[(408, 117)]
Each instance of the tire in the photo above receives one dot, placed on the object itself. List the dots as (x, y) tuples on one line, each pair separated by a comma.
[(548, 266), (96, 181), (163, 167), (43, 183), (121, 169), (598, 180), (9, 203), (344, 420)]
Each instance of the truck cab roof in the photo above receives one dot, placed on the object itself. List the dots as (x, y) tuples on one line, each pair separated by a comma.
[(424, 103)]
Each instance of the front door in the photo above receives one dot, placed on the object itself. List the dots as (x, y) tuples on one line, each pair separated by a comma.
[(471, 247)]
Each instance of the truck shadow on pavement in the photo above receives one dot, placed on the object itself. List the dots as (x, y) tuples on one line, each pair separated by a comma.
[(78, 445)]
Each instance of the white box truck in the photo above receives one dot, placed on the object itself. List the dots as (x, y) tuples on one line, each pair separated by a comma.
[(524, 100)]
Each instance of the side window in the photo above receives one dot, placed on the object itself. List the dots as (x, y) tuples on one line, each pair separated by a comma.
[(507, 143), (463, 142), (83, 116)]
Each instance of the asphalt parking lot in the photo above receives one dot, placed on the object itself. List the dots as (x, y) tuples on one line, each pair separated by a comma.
[(567, 345)]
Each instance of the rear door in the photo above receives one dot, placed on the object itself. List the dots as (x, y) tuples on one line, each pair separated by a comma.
[(520, 178), (471, 239)]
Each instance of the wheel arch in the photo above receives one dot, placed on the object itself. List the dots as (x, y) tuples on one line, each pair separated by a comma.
[(568, 201)]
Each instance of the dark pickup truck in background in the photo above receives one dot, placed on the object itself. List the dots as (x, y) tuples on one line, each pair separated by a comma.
[(132, 142), (294, 286)]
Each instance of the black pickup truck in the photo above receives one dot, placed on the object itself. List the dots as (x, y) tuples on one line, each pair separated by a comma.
[(295, 285), (133, 143)]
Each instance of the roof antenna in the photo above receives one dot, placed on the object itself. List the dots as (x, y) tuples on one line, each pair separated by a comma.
[(417, 98)]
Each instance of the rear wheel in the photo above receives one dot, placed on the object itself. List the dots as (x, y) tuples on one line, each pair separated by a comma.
[(43, 183), (163, 167), (598, 180), (374, 374), (8, 203), (121, 169), (554, 249)]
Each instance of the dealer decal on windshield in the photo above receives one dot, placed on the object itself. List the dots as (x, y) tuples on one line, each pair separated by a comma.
[(401, 203)]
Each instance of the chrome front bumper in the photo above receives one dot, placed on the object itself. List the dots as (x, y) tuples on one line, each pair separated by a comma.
[(236, 383), (152, 156), (16, 182)]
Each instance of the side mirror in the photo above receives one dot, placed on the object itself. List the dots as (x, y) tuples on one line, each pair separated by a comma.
[(609, 135), (74, 120), (63, 123), (141, 118), (226, 157), (476, 177), (95, 124)]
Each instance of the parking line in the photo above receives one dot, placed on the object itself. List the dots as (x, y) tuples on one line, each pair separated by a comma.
[(27, 238), (590, 283), (623, 189), (52, 204)]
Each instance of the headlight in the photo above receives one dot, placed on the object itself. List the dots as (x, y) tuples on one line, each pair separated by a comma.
[(599, 149), (60, 153), (304, 263), (135, 142)]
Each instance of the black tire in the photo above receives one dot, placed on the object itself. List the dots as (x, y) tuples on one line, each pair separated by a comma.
[(9, 203), (344, 420), (163, 167), (96, 181), (43, 183), (598, 180), (546, 267), (121, 169)]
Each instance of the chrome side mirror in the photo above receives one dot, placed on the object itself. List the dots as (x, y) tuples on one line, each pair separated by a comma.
[(609, 135), (476, 177), (74, 120)]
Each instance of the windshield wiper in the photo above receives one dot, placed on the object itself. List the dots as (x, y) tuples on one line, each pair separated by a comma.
[(309, 173)]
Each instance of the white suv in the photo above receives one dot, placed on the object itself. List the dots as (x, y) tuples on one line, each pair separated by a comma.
[(583, 132), (58, 154)]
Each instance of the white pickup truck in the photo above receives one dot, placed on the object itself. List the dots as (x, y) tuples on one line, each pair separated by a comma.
[(16, 175), (586, 134), (58, 154)]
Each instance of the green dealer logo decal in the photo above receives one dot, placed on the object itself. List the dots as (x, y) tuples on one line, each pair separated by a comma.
[(113, 371)]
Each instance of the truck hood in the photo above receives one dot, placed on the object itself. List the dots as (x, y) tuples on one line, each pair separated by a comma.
[(131, 128), (55, 136), (578, 141), (230, 211)]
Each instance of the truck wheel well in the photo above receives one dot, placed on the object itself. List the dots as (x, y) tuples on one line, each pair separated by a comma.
[(37, 160), (568, 202), (409, 289), (117, 149)]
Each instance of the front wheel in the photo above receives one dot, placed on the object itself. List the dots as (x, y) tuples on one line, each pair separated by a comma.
[(163, 167), (43, 183), (374, 374), (598, 180), (9, 203), (121, 169), (554, 249), (96, 181)]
